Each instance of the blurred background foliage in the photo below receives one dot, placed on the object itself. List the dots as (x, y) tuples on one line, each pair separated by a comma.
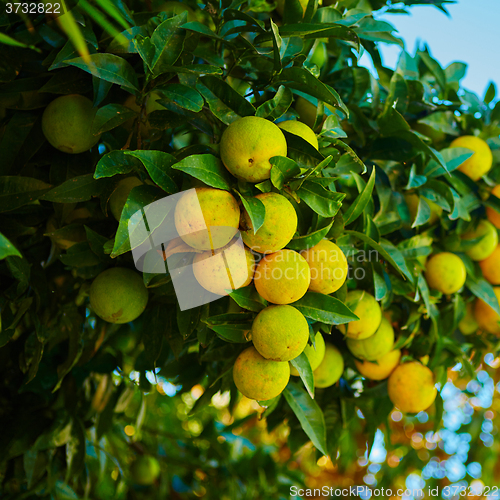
[(80, 399)]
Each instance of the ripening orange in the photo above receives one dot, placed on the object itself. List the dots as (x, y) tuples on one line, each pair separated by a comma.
[(491, 267), (492, 214)]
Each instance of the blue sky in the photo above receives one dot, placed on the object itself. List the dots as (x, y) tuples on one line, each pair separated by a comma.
[(471, 35)]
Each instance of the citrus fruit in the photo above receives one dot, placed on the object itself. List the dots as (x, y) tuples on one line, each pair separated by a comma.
[(207, 218), (445, 272), (118, 295), (468, 323), (145, 470), (306, 111), (369, 313), (280, 224), (328, 266), (375, 346), (413, 200), (247, 145), (480, 162), (280, 333), (259, 378), (282, 277), (491, 266), (319, 56), (380, 368), (301, 129), (230, 268), (119, 196), (315, 355), (67, 123), (486, 316), (491, 213), (486, 245), (330, 369), (411, 387)]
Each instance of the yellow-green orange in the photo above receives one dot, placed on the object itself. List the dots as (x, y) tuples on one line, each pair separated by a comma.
[(486, 316), (480, 162), (491, 266), (119, 196), (301, 129), (247, 145), (491, 213), (259, 378), (328, 266), (280, 224), (207, 218), (369, 313), (413, 200), (118, 295), (315, 355), (282, 277), (488, 235), (231, 267), (468, 324), (411, 387), (445, 272), (330, 369), (280, 333), (380, 368), (67, 123), (145, 470), (375, 346)]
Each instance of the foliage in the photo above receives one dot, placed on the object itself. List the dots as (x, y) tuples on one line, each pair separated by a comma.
[(80, 398)]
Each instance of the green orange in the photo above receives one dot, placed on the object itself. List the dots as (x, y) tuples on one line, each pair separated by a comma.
[(445, 272), (280, 333)]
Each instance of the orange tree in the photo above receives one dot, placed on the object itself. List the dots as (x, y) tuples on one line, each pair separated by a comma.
[(108, 388)]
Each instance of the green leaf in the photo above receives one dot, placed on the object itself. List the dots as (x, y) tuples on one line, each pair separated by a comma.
[(361, 201), (324, 202), (277, 106), (158, 164), (168, 41), (383, 252), (248, 298), (184, 96), (423, 213), (490, 93), (483, 290), (324, 308), (16, 191), (301, 364), (225, 103), (312, 238), (309, 413), (301, 79), (115, 163), (138, 199), (282, 170), (231, 327), (80, 188), (255, 210), (7, 248), (453, 157), (110, 116), (206, 168), (109, 67)]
